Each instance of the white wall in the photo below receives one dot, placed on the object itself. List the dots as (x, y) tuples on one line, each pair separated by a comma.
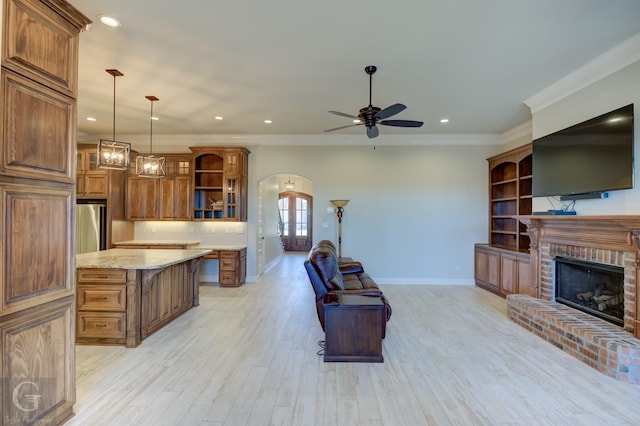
[(207, 233), (618, 89), (414, 214)]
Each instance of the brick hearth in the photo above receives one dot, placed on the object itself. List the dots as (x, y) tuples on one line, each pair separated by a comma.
[(599, 344), (611, 240)]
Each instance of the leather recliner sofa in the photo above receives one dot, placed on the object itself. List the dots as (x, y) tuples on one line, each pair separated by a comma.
[(329, 276)]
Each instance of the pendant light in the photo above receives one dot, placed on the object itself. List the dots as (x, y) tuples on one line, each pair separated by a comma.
[(111, 153), (148, 165), (288, 185)]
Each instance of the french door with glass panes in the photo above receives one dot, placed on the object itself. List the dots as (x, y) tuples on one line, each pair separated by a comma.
[(295, 224)]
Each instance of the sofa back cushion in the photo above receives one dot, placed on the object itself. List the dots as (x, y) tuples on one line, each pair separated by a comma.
[(324, 260)]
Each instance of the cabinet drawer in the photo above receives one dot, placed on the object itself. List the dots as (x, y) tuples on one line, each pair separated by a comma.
[(101, 324), (212, 255), (117, 276), (102, 298), (228, 278), (227, 264)]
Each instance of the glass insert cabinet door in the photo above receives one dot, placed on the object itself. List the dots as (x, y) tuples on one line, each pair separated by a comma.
[(295, 220)]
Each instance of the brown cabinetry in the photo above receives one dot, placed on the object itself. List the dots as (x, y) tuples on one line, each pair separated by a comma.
[(91, 182), (101, 304), (502, 271), (142, 198), (510, 175), (232, 267), (167, 198), (220, 179), (487, 267), (175, 190), (503, 265), (37, 180)]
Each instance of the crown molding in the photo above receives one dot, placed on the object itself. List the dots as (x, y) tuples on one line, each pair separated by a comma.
[(602, 66), (524, 130)]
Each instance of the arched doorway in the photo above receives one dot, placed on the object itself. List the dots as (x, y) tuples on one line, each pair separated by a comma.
[(295, 220)]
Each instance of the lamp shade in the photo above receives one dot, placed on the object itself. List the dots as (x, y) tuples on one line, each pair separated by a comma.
[(339, 203)]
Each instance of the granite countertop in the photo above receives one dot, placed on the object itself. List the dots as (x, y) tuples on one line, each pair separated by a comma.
[(137, 258), (219, 247), (157, 242)]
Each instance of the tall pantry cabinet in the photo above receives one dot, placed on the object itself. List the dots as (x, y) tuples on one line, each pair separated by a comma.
[(37, 197)]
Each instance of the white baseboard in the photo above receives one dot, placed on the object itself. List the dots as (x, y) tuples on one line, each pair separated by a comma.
[(425, 281)]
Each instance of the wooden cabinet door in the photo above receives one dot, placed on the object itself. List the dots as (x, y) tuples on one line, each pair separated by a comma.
[(175, 198), (38, 265), (41, 44), (142, 199), (509, 274), (96, 185), (30, 148), (524, 278), (38, 353), (487, 268)]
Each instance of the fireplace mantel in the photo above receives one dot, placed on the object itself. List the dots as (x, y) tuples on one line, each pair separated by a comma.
[(611, 232), (598, 238)]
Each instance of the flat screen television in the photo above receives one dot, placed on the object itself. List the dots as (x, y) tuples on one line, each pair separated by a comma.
[(586, 159)]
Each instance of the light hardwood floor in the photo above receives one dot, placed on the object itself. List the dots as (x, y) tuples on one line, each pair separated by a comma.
[(247, 356)]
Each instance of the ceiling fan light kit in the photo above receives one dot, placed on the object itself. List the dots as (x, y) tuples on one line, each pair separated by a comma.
[(370, 116)]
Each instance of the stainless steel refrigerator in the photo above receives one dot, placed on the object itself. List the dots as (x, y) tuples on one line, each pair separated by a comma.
[(91, 227)]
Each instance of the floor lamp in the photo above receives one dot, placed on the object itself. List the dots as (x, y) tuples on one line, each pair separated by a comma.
[(339, 205)]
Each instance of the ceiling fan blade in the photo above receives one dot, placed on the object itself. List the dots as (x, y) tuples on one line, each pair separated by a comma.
[(372, 132), (389, 111), (401, 123), (343, 127), (342, 114)]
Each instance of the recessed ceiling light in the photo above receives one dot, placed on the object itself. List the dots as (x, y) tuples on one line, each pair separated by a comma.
[(155, 118), (444, 120), (110, 21), (268, 121), (218, 117), (91, 119), (356, 121)]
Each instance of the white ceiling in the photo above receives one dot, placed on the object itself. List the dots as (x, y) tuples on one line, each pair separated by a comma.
[(474, 62)]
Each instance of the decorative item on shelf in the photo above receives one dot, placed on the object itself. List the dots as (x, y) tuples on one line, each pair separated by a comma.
[(111, 153), (339, 205), (288, 185), (215, 205), (148, 165)]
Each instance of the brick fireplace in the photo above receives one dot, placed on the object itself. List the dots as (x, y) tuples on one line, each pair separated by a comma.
[(606, 240)]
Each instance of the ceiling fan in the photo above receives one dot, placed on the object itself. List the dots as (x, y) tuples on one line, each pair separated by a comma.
[(370, 116)]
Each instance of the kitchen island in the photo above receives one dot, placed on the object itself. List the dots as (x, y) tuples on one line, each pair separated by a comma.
[(232, 260), (125, 295)]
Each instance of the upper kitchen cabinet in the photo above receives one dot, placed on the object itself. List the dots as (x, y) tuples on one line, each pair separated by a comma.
[(166, 198), (91, 182), (220, 181), (175, 189)]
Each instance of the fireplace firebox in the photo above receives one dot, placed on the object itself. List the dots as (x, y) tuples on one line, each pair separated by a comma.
[(594, 288)]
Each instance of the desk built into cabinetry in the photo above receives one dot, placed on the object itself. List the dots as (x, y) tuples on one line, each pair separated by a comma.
[(232, 260)]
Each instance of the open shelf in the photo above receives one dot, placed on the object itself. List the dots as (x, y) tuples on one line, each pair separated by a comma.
[(510, 178)]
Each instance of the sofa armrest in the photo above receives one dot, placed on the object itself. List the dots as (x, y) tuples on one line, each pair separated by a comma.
[(350, 267)]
